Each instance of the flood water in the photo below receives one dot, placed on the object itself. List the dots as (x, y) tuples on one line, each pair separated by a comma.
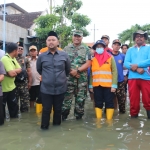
[(89, 133)]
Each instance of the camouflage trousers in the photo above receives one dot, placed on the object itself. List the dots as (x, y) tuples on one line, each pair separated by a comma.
[(80, 96), (121, 96), (22, 94)]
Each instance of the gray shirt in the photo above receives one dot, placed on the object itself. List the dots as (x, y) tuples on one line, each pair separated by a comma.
[(2, 71), (2, 53), (54, 70)]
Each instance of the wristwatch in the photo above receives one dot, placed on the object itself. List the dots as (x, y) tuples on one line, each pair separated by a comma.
[(78, 71)]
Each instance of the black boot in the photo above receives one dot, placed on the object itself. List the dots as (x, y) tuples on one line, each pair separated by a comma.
[(44, 127), (148, 114), (136, 116), (65, 114)]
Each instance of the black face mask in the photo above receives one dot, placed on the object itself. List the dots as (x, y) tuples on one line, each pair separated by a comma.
[(19, 55)]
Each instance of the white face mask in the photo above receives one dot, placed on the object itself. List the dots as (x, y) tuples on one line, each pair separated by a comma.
[(100, 50)]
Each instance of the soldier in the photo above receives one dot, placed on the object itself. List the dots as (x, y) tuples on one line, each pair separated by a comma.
[(77, 82), (23, 80)]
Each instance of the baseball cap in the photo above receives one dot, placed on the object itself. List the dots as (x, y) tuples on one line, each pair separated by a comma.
[(105, 36), (32, 47), (117, 41)]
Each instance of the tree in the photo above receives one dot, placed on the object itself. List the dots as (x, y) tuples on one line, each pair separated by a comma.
[(64, 20), (127, 35)]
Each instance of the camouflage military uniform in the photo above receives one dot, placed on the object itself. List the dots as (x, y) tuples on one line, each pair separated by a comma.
[(22, 91), (78, 56)]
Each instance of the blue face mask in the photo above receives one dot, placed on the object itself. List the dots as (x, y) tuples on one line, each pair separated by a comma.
[(99, 50)]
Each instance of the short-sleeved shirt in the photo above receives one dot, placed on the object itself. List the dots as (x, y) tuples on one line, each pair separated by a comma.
[(9, 64), (35, 75), (119, 59), (2, 72), (2, 53)]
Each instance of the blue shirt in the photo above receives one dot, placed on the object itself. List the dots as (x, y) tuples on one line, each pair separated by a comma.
[(119, 59), (141, 57)]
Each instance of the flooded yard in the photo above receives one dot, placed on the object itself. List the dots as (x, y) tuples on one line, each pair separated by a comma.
[(123, 133)]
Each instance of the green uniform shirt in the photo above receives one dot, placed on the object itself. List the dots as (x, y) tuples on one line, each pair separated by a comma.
[(78, 56), (9, 64)]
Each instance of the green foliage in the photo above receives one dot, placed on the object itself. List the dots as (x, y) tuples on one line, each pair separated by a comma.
[(127, 35), (45, 24), (63, 20)]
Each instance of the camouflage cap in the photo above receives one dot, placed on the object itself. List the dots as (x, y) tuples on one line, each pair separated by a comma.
[(78, 32)]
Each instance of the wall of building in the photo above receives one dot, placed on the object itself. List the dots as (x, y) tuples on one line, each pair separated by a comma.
[(11, 10), (13, 33)]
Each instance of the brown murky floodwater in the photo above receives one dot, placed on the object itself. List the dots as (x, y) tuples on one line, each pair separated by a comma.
[(122, 133)]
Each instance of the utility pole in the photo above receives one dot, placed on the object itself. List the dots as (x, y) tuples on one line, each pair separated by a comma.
[(94, 32), (4, 26), (50, 6)]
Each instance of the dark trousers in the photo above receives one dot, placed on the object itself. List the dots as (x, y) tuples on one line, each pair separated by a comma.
[(103, 94), (10, 99), (48, 101), (121, 96), (1, 111)]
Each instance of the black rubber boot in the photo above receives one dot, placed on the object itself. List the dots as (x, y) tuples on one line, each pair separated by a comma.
[(44, 127), (65, 114), (148, 114)]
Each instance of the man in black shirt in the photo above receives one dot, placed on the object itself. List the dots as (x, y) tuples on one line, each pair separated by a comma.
[(54, 66)]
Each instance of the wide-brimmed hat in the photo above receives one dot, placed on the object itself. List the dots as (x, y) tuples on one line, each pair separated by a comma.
[(99, 42), (140, 32)]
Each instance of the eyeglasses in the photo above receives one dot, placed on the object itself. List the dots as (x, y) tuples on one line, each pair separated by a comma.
[(20, 48), (139, 36)]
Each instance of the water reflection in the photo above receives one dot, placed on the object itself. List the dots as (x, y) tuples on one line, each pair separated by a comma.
[(121, 133)]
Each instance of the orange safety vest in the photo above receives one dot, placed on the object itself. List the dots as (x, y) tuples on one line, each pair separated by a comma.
[(101, 76), (45, 49)]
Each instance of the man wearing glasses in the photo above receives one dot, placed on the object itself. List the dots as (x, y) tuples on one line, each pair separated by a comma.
[(137, 60), (23, 80)]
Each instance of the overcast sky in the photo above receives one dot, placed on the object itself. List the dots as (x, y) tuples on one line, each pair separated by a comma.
[(109, 16)]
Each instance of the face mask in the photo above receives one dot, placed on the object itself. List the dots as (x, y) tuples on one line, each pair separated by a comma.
[(99, 50)]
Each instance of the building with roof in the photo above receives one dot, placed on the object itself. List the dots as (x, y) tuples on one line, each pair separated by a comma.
[(19, 25)]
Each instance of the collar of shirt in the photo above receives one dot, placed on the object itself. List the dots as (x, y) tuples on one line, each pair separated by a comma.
[(48, 52), (141, 45), (31, 59)]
